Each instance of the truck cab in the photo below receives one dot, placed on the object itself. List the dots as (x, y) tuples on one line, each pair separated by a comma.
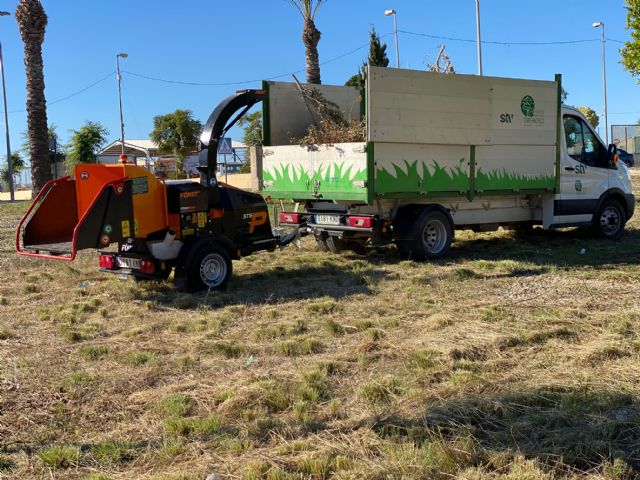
[(589, 174)]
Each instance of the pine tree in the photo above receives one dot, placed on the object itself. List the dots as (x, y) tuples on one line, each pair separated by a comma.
[(377, 58)]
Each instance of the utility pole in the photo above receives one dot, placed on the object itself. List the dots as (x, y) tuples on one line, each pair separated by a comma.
[(388, 13), (118, 57), (479, 37), (604, 79)]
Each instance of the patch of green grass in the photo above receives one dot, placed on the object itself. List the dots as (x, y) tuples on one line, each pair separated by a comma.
[(323, 306), (423, 359), (333, 327), (307, 346), (207, 427), (93, 352), (6, 334), (380, 390), (114, 452), (60, 456), (139, 358), (176, 405), (227, 349), (96, 476)]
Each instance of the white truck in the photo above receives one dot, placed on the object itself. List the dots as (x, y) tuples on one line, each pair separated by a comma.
[(442, 152)]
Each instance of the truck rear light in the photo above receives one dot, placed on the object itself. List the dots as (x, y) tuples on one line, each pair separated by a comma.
[(361, 222), (286, 217), (148, 267), (107, 262)]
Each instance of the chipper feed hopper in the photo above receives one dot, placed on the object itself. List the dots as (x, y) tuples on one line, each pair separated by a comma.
[(195, 228)]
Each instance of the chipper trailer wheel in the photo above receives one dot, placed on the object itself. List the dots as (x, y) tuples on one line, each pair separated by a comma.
[(209, 268)]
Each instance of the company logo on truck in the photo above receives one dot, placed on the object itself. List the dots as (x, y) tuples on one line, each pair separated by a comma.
[(528, 106)]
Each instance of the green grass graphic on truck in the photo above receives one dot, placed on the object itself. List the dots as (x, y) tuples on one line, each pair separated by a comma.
[(332, 178), (436, 179), (504, 180)]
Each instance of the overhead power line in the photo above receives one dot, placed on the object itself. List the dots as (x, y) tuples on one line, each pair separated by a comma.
[(469, 40), (75, 94), (243, 82)]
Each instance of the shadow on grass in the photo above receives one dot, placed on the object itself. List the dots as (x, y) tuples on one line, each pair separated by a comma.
[(561, 248), (569, 428), (272, 286)]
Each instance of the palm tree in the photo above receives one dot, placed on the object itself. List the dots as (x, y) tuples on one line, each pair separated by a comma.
[(310, 36), (32, 21)]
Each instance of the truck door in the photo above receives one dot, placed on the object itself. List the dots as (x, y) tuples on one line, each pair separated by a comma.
[(584, 174)]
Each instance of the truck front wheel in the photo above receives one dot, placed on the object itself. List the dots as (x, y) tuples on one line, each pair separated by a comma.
[(609, 221), (210, 268), (431, 237)]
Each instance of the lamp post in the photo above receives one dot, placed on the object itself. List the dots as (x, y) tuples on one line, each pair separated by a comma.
[(479, 39), (388, 13), (12, 195), (604, 79), (118, 57)]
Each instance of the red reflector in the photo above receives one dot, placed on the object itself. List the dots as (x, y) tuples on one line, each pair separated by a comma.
[(361, 222), (290, 217), (107, 261), (147, 266)]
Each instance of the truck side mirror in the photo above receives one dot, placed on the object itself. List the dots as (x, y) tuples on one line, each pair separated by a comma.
[(613, 155)]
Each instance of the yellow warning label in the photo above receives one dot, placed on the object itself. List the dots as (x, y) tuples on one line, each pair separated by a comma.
[(202, 219), (126, 229), (135, 226)]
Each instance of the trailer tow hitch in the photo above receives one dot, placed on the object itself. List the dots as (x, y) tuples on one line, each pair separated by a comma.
[(297, 233)]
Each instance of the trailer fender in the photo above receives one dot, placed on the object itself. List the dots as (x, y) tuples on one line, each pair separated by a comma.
[(406, 216), (191, 248)]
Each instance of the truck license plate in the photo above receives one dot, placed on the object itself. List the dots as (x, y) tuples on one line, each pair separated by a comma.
[(133, 263), (328, 219)]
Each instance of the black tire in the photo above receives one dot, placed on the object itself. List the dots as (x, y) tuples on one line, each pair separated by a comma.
[(209, 269), (609, 221), (430, 237)]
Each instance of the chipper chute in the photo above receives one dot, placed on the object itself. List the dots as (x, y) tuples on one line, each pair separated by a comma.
[(91, 211)]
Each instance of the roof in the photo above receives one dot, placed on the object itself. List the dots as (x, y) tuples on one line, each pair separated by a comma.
[(144, 147)]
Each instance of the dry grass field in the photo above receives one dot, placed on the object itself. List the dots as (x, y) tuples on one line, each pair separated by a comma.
[(517, 357)]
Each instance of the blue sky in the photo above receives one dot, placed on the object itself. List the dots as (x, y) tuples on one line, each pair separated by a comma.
[(216, 41)]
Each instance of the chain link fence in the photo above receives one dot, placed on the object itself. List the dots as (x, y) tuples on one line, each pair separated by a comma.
[(627, 137)]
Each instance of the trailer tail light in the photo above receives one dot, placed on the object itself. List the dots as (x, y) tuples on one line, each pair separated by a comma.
[(107, 262), (148, 267), (361, 222), (286, 217)]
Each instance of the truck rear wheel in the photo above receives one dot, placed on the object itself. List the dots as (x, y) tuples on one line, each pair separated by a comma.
[(209, 268), (431, 237), (610, 220)]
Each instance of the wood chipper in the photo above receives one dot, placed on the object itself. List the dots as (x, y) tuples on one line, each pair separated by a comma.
[(195, 228)]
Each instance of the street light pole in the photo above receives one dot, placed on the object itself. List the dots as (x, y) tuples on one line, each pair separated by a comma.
[(118, 57), (604, 79), (479, 39), (12, 194), (388, 13)]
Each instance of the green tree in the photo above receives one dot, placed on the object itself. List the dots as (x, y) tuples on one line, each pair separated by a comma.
[(310, 36), (32, 21), (631, 50), (591, 116), (17, 162), (252, 124), (177, 134), (85, 143), (377, 58)]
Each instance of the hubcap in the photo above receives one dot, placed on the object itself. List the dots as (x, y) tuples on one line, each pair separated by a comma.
[(213, 270), (434, 236), (610, 221)]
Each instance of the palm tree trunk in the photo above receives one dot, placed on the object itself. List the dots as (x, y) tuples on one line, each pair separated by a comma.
[(311, 37), (32, 21)]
